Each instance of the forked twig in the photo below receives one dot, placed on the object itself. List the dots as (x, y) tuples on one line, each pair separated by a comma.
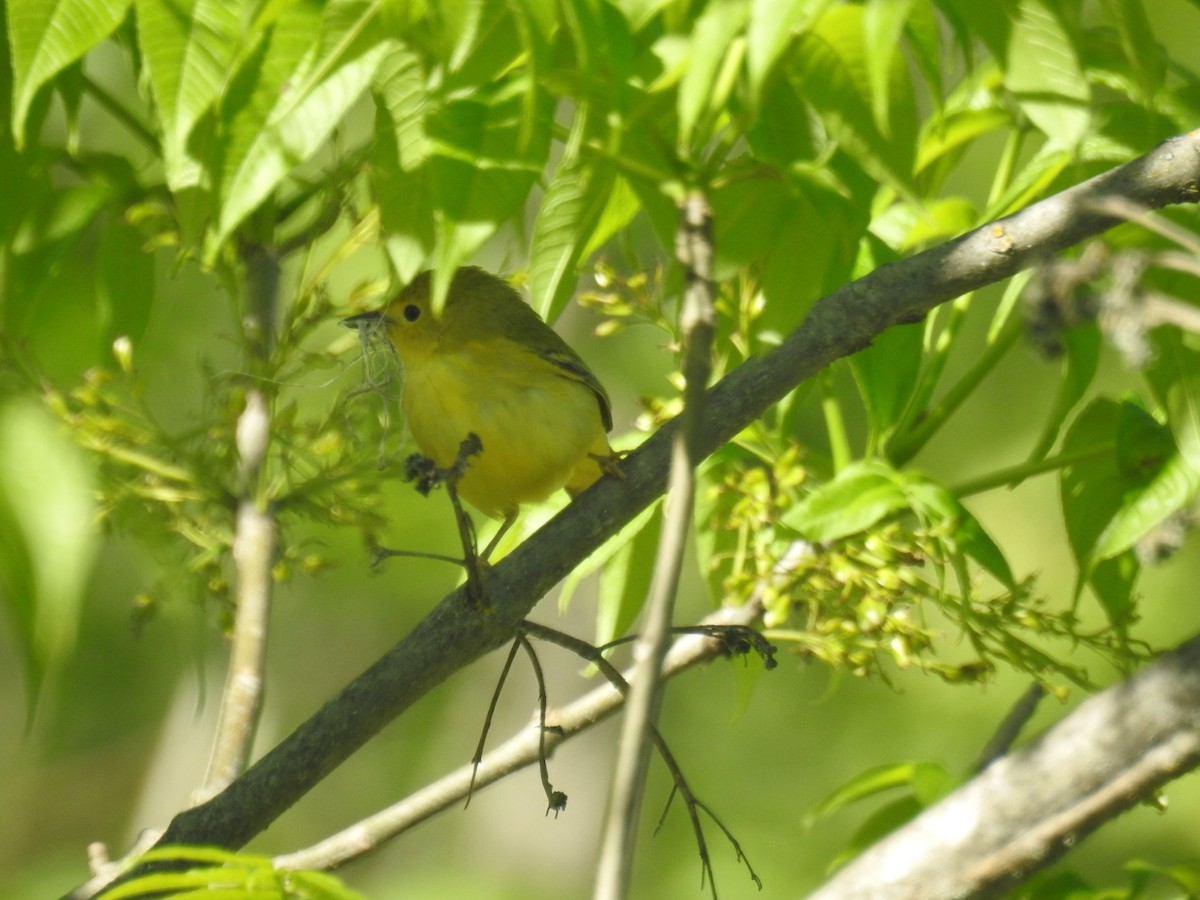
[(694, 806)]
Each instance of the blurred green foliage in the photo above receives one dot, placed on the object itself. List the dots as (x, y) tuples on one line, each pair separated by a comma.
[(151, 148)]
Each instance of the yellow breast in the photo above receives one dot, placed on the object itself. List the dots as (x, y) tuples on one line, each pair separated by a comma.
[(537, 427)]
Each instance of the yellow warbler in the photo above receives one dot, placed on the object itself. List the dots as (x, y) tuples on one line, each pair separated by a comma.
[(489, 365)]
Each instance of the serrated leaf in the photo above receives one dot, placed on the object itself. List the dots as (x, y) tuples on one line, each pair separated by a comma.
[(1043, 72), (189, 48), (858, 497), (47, 37), (298, 94), (574, 202)]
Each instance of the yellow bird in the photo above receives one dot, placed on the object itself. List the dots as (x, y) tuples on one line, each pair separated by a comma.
[(489, 366)]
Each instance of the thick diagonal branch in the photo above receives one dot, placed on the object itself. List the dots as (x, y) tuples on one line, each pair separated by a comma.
[(454, 635), (1028, 808)]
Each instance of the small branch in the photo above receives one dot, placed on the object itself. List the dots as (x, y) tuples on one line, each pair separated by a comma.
[(556, 801), (477, 759), (254, 542), (1010, 729), (1028, 808), (695, 251), (523, 749)]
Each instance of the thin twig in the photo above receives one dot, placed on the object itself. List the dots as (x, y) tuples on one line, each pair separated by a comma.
[(521, 750), (487, 719), (556, 801), (681, 786), (694, 250), (1010, 728)]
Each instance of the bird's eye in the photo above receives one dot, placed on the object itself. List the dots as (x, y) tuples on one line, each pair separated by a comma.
[(412, 312)]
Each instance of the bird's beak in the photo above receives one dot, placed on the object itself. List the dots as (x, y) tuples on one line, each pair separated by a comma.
[(363, 320)]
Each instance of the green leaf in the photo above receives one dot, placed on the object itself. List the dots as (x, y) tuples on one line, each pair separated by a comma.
[(944, 135), (886, 374), (1043, 72), (481, 169), (859, 496), (1175, 375), (1128, 479), (1031, 181), (830, 70), (712, 52), (574, 202), (927, 781), (1091, 488), (399, 160), (878, 825), (773, 26), (1143, 50), (924, 33), (293, 94), (125, 285), (1081, 358), (607, 551), (883, 25), (945, 516), (46, 517), (625, 581), (1173, 488), (619, 209), (189, 49), (46, 37)]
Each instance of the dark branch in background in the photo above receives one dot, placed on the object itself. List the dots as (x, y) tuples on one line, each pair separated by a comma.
[(1027, 809), (454, 634), (694, 252)]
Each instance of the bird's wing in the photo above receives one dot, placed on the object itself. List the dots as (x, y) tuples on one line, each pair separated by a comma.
[(571, 366)]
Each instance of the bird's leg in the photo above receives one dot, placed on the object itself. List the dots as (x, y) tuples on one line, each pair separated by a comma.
[(466, 528), (495, 541), (609, 463)]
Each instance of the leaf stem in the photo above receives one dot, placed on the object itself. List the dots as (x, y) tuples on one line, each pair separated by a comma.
[(1012, 475), (110, 104), (905, 445)]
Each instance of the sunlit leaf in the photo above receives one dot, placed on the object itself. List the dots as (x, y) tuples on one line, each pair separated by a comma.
[(295, 94), (883, 24), (859, 496), (1042, 70), (189, 50), (47, 37), (46, 519)]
